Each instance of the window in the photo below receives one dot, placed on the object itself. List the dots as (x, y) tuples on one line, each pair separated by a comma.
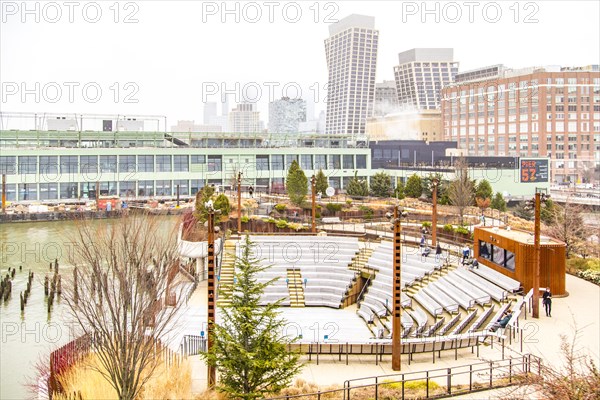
[(361, 161), (27, 191), (48, 166), (88, 190), (163, 163), (277, 162), (196, 185), (349, 161), (334, 161), (262, 162), (145, 163), (28, 165), (320, 161), (198, 159), (497, 255), (163, 188), (127, 189), (215, 164), (108, 188), (68, 164), (289, 159), (145, 188), (8, 165), (88, 165), (11, 191), (181, 163), (127, 163), (49, 191), (68, 190), (183, 187), (108, 163), (306, 161)]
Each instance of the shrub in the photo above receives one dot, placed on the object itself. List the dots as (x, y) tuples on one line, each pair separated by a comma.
[(333, 207), (280, 207), (281, 223), (448, 228), (367, 212), (348, 202), (318, 215), (412, 385), (245, 218), (426, 224), (462, 230), (590, 275)]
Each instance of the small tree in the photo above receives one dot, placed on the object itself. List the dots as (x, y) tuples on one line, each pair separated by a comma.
[(461, 189), (381, 185), (414, 187), (222, 203), (202, 197), (399, 191), (296, 184), (498, 202), (483, 190), (568, 226), (357, 186), (321, 184), (249, 350)]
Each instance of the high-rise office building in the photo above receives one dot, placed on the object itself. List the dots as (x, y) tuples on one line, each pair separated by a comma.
[(210, 111), (386, 98), (286, 114), (421, 75), (534, 112), (351, 53), (244, 119)]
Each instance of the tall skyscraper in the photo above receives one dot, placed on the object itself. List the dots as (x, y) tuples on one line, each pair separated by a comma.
[(286, 114), (422, 74), (351, 53), (245, 119), (210, 111)]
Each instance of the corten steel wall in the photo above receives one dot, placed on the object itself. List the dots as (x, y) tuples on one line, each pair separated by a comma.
[(552, 261)]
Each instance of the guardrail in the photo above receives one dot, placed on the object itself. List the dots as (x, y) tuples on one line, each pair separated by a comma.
[(481, 376)]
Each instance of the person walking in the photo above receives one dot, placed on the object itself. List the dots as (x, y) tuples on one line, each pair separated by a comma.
[(466, 252), (547, 301), (438, 252)]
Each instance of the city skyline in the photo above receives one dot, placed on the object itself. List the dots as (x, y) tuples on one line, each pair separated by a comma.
[(166, 70)]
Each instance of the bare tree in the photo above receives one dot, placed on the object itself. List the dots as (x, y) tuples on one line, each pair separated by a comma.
[(462, 189), (122, 296), (568, 226)]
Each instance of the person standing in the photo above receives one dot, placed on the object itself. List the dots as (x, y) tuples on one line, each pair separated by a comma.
[(438, 252), (547, 301), (466, 252)]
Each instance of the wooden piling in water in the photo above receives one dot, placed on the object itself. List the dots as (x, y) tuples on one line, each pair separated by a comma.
[(22, 302), (46, 285)]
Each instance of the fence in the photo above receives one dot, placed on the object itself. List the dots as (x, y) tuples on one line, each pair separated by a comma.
[(448, 381), (192, 345)]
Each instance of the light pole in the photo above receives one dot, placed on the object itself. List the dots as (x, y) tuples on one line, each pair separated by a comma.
[(434, 183), (537, 204), (239, 190), (397, 287), (313, 184), (212, 375)]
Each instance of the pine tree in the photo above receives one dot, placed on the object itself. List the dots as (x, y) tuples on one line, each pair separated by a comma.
[(357, 186), (222, 203), (483, 190), (202, 197), (296, 184), (381, 185), (498, 202), (321, 184), (249, 350), (414, 187), (399, 191)]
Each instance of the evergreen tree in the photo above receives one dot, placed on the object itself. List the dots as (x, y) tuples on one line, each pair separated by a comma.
[(483, 190), (321, 184), (249, 350), (202, 197), (381, 185), (222, 203), (498, 202), (414, 187), (399, 191), (357, 186), (296, 184)]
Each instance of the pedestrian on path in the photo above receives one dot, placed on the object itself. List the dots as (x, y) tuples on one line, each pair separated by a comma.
[(547, 300), (438, 252)]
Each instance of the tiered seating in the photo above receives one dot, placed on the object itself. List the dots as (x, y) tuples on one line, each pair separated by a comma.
[(461, 326), (441, 298), (428, 303), (495, 292), (450, 324), (421, 318), (464, 300), (477, 324), (497, 316), (498, 279), (322, 261), (478, 295)]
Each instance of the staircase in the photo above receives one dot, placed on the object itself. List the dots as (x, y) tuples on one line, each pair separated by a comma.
[(294, 282), (227, 271), (360, 260)]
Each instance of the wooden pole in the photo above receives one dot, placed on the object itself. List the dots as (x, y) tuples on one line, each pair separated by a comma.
[(212, 376), (3, 193), (397, 295), (239, 190), (434, 215), (536, 276), (313, 183)]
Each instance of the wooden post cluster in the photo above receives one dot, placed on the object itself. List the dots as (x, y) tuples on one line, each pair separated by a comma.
[(75, 286), (6, 287), (25, 295)]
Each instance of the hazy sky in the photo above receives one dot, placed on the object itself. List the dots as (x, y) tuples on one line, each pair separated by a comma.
[(167, 56)]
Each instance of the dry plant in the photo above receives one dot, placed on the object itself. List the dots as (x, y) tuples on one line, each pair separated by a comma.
[(84, 379), (118, 295)]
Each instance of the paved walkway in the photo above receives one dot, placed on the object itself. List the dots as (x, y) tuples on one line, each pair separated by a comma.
[(542, 337)]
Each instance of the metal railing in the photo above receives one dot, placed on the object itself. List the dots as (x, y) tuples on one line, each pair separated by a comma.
[(448, 381)]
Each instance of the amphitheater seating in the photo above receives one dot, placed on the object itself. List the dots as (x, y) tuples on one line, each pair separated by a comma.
[(495, 292), (463, 324), (450, 324), (421, 318), (478, 295), (435, 327), (498, 279), (464, 300), (497, 316), (441, 298), (428, 303), (485, 315)]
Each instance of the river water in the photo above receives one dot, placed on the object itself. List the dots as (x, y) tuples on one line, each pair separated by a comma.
[(28, 338)]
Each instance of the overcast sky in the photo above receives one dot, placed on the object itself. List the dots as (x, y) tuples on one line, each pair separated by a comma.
[(167, 56)]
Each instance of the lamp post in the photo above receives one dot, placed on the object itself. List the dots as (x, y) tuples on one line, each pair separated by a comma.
[(397, 287), (212, 375), (536, 203), (434, 183), (239, 190), (313, 184)]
